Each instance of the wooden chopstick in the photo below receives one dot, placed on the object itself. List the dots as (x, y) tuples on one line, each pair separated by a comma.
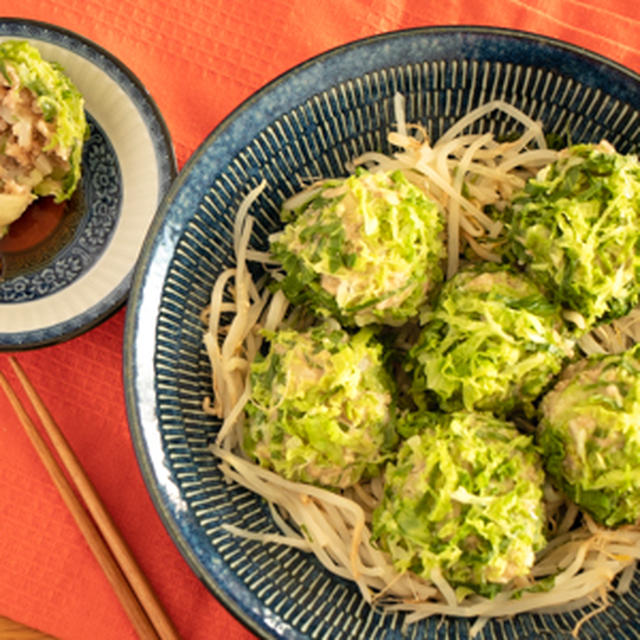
[(12, 630), (111, 551)]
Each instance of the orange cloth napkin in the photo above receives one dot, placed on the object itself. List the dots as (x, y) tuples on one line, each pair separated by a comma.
[(198, 59)]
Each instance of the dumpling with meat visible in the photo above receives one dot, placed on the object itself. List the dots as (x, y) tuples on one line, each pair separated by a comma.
[(42, 130), (320, 409), (590, 436), (366, 249)]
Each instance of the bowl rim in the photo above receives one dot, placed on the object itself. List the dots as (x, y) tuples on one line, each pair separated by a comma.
[(167, 516)]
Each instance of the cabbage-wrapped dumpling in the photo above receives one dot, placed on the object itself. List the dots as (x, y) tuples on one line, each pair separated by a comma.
[(42, 130)]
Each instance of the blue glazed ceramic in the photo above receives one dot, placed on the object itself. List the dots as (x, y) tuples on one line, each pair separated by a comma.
[(79, 274), (309, 122), (100, 200)]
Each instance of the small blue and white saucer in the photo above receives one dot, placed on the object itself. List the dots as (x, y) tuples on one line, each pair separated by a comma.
[(81, 273)]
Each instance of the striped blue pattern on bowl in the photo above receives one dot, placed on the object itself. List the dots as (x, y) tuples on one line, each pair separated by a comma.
[(309, 123)]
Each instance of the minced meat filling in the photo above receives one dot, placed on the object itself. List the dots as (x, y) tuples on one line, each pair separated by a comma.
[(42, 130), (24, 134)]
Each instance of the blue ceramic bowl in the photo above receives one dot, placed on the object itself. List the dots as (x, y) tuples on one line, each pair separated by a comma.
[(311, 121)]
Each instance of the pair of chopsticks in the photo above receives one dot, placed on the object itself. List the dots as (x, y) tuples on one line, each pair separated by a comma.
[(109, 548)]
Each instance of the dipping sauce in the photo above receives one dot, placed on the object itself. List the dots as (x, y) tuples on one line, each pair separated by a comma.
[(34, 226), (39, 235)]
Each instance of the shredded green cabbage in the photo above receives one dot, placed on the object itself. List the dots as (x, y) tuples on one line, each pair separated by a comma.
[(320, 407), (576, 231), (491, 342), (590, 436), (464, 496), (364, 249)]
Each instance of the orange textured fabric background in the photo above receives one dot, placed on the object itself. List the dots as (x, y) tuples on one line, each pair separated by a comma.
[(198, 59)]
